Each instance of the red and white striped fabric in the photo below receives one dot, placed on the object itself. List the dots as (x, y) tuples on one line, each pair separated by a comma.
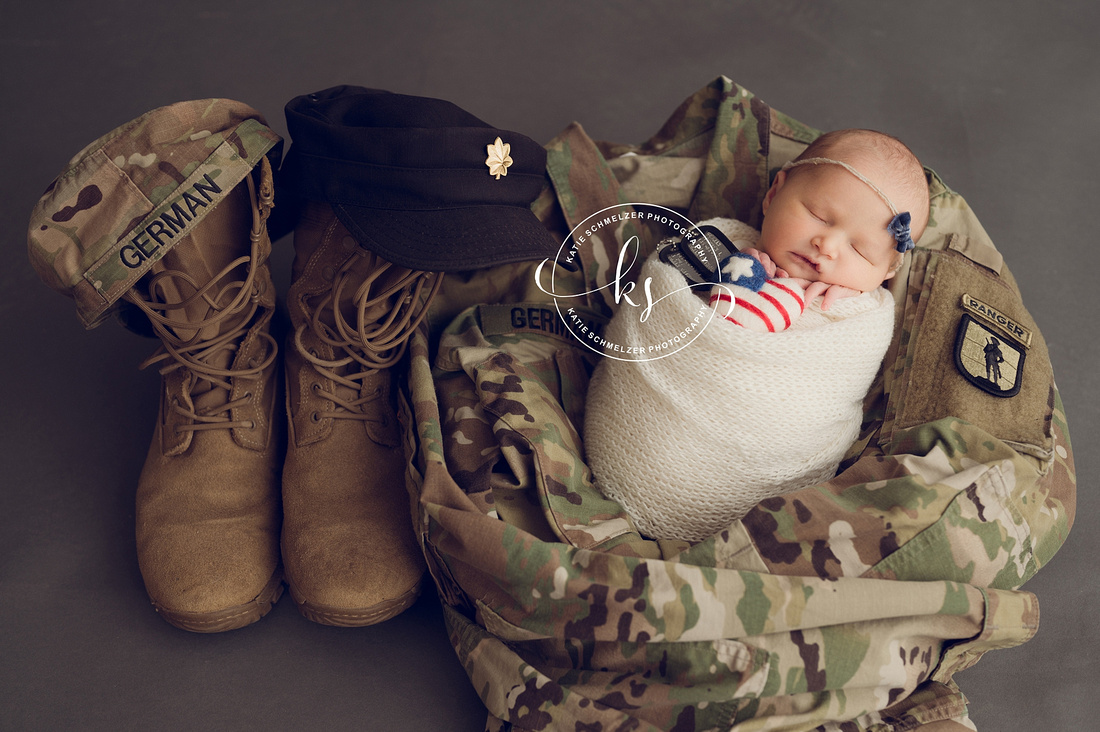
[(773, 308)]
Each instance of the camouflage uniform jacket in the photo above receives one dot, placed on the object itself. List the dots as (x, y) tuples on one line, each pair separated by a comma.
[(845, 606)]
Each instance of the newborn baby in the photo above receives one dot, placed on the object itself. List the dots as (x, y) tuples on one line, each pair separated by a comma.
[(768, 397)]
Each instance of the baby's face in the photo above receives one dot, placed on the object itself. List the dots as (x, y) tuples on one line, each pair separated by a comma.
[(824, 224)]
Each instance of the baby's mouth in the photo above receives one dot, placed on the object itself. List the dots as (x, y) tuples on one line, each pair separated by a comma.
[(806, 261)]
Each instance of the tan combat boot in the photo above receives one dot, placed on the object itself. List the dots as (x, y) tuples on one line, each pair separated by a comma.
[(208, 497), (167, 216), (349, 551)]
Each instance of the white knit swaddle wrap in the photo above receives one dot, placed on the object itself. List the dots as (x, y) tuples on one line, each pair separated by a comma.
[(691, 442)]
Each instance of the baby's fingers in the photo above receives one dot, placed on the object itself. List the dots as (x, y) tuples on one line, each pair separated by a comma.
[(814, 289), (764, 259), (836, 292)]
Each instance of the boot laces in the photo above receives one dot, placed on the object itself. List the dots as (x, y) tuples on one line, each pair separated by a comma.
[(186, 342), (373, 343)]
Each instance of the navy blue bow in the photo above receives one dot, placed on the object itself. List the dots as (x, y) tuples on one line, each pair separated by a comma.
[(899, 227)]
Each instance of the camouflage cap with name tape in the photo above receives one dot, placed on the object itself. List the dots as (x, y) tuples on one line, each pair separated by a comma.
[(130, 196)]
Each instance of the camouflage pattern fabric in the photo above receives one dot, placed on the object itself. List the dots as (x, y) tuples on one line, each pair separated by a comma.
[(126, 199), (844, 606)]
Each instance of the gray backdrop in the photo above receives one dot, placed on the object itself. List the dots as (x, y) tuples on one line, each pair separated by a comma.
[(1000, 97)]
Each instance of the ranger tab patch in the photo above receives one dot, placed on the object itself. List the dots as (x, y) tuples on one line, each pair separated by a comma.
[(986, 356)]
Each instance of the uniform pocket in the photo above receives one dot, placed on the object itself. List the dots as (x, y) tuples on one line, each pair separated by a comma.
[(971, 350)]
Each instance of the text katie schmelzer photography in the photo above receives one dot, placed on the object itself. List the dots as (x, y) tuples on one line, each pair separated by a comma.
[(613, 235)]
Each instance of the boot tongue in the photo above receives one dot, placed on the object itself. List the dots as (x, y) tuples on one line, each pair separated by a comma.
[(206, 393), (354, 290), (201, 256), (357, 289)]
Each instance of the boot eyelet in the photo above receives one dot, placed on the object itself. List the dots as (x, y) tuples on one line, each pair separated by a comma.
[(315, 387), (315, 417), (251, 425)]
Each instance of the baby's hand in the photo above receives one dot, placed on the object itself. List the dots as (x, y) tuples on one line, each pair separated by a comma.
[(832, 293), (766, 261)]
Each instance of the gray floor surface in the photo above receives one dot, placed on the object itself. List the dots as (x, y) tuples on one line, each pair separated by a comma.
[(1000, 97)]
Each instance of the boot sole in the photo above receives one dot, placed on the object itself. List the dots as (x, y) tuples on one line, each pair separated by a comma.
[(356, 618), (230, 618)]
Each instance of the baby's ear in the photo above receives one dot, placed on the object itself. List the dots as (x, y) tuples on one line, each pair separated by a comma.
[(899, 260), (780, 177)]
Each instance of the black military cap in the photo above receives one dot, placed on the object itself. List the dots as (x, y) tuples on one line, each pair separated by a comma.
[(419, 181)]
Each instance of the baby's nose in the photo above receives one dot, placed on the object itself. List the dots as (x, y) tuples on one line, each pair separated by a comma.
[(828, 243)]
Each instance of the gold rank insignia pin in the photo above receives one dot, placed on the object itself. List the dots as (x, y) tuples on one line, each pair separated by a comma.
[(990, 348), (499, 158)]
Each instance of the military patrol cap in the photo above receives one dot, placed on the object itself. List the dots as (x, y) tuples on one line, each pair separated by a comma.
[(419, 181), (130, 196)]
